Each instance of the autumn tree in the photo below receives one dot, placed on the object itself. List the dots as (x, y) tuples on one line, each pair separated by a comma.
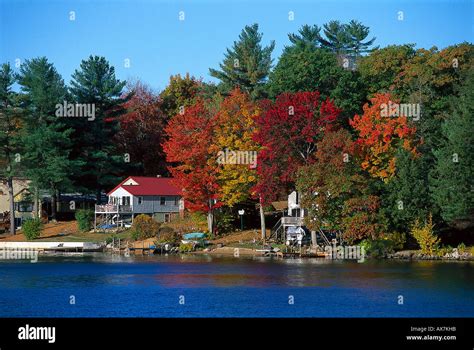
[(381, 130), (141, 131), (305, 66), (234, 149), (180, 93), (287, 132), (189, 137), (380, 69), (335, 191)]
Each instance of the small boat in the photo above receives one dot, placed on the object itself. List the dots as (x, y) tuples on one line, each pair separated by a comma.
[(194, 236)]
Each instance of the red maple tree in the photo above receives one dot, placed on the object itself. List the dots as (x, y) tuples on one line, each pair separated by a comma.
[(141, 131), (190, 135), (287, 131)]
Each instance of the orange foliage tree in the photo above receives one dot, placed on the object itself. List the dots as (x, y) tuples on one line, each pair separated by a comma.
[(381, 131)]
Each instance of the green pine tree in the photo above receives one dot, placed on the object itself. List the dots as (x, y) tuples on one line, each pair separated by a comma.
[(337, 38), (46, 140), (307, 36), (247, 64), (95, 83), (357, 33), (10, 125), (406, 197), (452, 182), (304, 66)]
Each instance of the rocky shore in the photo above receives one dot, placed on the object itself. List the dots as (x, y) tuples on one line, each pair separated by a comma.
[(416, 255)]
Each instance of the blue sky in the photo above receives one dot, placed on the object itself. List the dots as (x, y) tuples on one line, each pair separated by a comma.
[(150, 34)]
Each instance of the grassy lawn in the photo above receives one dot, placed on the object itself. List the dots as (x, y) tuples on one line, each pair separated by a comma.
[(67, 231)]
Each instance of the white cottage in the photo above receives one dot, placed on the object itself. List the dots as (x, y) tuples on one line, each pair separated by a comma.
[(154, 196)]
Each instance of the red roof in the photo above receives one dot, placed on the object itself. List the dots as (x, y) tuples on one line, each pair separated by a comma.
[(150, 186)]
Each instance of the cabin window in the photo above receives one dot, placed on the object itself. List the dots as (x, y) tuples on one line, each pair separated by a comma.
[(176, 200), (162, 200), (140, 200), (24, 207), (125, 200)]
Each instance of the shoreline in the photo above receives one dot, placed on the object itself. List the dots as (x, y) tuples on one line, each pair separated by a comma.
[(228, 251)]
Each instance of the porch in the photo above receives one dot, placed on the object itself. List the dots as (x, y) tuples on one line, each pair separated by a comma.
[(113, 208), (109, 216)]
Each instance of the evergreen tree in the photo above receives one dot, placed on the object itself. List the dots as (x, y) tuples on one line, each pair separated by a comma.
[(451, 180), (357, 33), (337, 38), (406, 197), (46, 140), (304, 66), (247, 64), (343, 38), (95, 84), (9, 134), (307, 35)]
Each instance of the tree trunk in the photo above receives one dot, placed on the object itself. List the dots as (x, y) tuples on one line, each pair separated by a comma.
[(12, 205), (37, 213), (210, 222), (262, 219), (54, 203), (314, 241)]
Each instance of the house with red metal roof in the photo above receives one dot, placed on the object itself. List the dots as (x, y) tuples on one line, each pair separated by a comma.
[(154, 196)]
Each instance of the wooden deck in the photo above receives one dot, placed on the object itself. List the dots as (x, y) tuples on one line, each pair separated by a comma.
[(113, 209)]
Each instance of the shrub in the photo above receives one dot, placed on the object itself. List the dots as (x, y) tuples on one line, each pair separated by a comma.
[(444, 250), (462, 248), (425, 236), (32, 228), (167, 235), (361, 219), (144, 227), (85, 218), (223, 222), (378, 248), (398, 240), (186, 247)]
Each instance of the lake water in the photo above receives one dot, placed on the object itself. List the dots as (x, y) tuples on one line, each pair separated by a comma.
[(201, 286)]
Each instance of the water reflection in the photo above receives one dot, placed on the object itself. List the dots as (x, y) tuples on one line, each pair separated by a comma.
[(107, 285)]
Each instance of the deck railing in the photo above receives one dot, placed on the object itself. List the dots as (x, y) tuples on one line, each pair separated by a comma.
[(291, 220), (113, 208)]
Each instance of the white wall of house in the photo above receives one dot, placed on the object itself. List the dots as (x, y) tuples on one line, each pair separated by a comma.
[(18, 185), (119, 193), (294, 207)]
